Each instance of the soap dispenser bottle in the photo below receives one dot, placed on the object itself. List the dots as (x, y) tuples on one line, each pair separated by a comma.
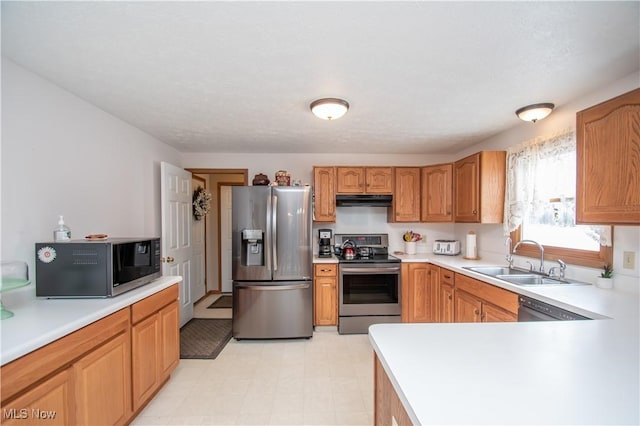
[(62, 231)]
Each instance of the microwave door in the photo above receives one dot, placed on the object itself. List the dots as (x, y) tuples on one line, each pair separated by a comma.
[(250, 233)]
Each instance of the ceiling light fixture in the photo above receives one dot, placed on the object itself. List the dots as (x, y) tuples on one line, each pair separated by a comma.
[(535, 112), (329, 108)]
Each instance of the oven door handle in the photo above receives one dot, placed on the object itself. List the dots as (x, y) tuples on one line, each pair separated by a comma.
[(369, 270)]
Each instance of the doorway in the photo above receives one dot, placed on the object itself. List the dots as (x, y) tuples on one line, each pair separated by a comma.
[(215, 265)]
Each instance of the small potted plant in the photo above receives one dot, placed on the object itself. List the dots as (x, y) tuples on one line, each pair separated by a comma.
[(605, 280), (410, 240)]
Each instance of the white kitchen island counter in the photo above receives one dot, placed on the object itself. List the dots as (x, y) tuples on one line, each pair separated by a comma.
[(555, 372), (37, 322), (550, 372)]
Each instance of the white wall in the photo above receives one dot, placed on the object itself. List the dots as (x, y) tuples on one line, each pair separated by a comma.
[(62, 155), (626, 238), (348, 219)]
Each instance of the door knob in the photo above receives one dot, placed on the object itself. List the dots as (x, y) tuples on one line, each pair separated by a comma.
[(167, 259)]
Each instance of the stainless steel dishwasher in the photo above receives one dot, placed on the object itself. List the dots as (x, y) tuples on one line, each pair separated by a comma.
[(534, 310)]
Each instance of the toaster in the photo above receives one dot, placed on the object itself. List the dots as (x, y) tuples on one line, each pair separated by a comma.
[(448, 247)]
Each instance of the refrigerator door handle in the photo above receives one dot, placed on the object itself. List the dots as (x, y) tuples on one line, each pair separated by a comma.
[(267, 247), (274, 231), (272, 287)]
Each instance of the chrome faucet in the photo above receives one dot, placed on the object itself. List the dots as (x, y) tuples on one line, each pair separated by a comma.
[(561, 267), (541, 269), (508, 242)]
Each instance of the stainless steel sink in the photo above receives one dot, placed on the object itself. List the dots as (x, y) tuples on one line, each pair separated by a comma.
[(530, 279), (493, 271), (520, 276)]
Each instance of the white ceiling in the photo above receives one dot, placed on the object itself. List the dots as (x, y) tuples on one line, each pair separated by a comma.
[(421, 77)]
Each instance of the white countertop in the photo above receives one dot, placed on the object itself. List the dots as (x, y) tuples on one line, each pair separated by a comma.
[(331, 259), (37, 321), (552, 372)]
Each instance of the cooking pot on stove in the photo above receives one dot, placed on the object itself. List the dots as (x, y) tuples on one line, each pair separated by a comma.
[(348, 250)]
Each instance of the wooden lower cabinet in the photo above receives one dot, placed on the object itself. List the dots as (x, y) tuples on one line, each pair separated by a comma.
[(88, 376), (468, 308), (50, 403), (476, 301), (420, 295), (446, 291), (154, 344), (103, 384), (388, 409), (325, 294)]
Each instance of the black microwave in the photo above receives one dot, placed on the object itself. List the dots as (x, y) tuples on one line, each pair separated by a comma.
[(91, 269)]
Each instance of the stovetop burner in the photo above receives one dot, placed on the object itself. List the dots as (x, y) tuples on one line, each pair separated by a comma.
[(369, 248), (377, 258)]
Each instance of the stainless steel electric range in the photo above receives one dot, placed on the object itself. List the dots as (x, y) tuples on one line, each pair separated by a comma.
[(369, 283)]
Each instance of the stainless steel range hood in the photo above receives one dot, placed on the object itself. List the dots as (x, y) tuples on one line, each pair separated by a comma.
[(364, 200)]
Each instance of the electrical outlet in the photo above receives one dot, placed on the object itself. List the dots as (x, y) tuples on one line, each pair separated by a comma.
[(629, 260)]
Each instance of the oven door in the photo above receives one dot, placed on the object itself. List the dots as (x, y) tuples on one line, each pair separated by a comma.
[(369, 289)]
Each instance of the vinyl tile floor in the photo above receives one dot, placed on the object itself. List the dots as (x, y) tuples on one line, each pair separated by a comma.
[(325, 380)]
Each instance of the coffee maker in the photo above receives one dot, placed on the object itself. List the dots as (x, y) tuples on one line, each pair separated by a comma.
[(324, 246)]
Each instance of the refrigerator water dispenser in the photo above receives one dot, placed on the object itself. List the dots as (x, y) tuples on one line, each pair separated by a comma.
[(252, 253)]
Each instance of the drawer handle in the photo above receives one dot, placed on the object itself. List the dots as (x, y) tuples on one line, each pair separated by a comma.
[(447, 276)]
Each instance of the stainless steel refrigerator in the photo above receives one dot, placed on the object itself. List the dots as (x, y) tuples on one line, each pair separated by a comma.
[(272, 262)]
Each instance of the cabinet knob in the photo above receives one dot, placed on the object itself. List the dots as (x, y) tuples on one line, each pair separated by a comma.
[(477, 312), (475, 212), (449, 297)]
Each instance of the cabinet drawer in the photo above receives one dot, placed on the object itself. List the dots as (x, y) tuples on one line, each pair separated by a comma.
[(447, 276), (152, 304), (489, 293), (326, 270)]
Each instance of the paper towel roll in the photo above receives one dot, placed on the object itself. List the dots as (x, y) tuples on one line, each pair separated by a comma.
[(471, 248)]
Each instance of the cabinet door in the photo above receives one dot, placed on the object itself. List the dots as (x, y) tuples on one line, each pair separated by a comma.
[(324, 196), (467, 307), (608, 161), (325, 301), (350, 180), (169, 318), (467, 189), (422, 292), (103, 384), (446, 308), (379, 180), (437, 193), (49, 403), (406, 196), (492, 313), (145, 338)]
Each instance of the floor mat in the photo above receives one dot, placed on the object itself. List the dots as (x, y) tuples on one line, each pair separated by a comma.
[(224, 302), (204, 338)]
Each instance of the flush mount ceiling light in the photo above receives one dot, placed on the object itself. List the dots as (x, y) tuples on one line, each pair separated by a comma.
[(535, 112), (329, 108)]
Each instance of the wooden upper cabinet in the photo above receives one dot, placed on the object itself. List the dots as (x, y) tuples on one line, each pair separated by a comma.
[(364, 180), (479, 184), (379, 180), (608, 161), (437, 193), (324, 194), (406, 196)]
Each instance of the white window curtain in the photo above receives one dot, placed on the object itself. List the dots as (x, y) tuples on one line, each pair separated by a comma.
[(537, 176), (525, 165)]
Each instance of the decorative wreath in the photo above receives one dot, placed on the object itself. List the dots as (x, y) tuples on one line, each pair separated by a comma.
[(201, 203)]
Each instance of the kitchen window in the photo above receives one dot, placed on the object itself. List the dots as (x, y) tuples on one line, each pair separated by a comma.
[(540, 203)]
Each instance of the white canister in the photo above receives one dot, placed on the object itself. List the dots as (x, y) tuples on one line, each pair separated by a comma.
[(410, 247)]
